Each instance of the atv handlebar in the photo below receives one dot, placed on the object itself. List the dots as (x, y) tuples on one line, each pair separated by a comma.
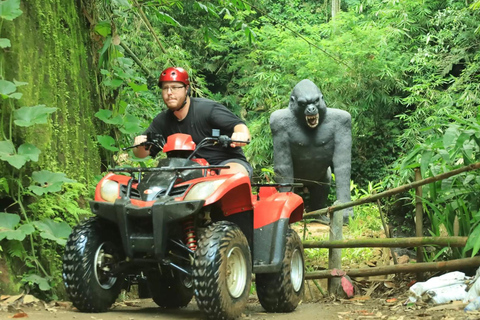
[(157, 140), (153, 139)]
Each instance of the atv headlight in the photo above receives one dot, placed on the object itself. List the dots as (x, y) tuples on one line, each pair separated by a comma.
[(203, 190), (109, 190)]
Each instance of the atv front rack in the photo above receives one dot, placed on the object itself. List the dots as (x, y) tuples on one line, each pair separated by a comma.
[(278, 185), (132, 170)]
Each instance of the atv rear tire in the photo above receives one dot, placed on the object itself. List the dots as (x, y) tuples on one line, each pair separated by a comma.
[(90, 253), (282, 291), (222, 271), (170, 289)]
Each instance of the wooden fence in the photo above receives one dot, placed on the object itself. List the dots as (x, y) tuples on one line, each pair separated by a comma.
[(336, 242)]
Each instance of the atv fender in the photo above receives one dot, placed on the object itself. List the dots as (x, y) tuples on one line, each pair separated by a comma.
[(161, 214), (273, 214), (234, 195)]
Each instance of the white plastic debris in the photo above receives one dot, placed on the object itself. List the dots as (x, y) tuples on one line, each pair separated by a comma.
[(474, 291), (474, 305), (451, 286)]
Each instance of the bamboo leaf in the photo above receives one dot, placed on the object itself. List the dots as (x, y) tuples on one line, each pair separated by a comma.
[(103, 28)]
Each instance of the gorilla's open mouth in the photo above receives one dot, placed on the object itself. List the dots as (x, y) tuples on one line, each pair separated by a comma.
[(312, 121)]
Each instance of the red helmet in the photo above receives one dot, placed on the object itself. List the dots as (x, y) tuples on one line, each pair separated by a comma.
[(174, 74)]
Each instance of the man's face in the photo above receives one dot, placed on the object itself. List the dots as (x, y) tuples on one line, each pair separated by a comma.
[(173, 94)]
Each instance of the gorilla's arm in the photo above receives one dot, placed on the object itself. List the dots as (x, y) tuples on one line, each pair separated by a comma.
[(342, 154), (283, 164)]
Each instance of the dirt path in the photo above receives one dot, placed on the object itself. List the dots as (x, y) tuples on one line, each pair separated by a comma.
[(384, 299), (322, 310)]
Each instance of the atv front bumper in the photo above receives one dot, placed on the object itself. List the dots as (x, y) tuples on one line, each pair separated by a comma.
[(144, 230)]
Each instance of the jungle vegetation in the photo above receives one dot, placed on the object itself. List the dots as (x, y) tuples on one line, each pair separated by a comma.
[(78, 82)]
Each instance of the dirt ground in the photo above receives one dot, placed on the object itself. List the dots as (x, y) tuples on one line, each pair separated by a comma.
[(375, 298), (325, 309)]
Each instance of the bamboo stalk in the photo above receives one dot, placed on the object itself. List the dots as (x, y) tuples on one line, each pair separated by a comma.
[(135, 58), (386, 229), (389, 243), (404, 268), (372, 198), (149, 25)]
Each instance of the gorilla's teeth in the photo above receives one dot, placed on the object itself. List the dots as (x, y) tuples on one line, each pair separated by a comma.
[(312, 121)]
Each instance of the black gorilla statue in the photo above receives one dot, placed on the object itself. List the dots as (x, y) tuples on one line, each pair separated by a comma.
[(309, 141)]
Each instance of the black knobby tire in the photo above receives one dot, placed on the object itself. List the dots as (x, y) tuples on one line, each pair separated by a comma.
[(170, 289), (282, 291), (91, 251), (222, 271)]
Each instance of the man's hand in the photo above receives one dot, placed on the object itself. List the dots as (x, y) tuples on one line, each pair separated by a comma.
[(140, 139), (140, 151), (240, 133), (239, 136)]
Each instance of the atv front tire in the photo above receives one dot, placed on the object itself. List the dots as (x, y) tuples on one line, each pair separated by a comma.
[(170, 289), (222, 271), (90, 254), (282, 291)]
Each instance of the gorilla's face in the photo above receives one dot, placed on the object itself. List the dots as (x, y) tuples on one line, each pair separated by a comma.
[(307, 103)]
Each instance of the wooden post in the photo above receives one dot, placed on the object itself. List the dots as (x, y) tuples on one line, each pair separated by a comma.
[(335, 254), (419, 219)]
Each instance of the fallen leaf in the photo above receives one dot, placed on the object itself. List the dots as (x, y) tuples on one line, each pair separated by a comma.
[(360, 298), (392, 300), (20, 315), (347, 287), (29, 299), (403, 259), (64, 304), (12, 299)]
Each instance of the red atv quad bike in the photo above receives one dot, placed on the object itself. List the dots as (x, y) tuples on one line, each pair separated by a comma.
[(181, 230)]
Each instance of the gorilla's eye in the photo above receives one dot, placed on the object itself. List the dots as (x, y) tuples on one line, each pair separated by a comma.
[(317, 100)]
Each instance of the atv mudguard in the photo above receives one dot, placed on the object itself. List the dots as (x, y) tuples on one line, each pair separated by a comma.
[(274, 212), (160, 213)]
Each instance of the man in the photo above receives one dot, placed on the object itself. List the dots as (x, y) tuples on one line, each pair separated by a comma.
[(197, 117)]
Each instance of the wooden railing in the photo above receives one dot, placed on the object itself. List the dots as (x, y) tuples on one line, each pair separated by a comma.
[(335, 243)]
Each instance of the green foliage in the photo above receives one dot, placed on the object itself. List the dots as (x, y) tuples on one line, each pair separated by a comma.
[(56, 231), (452, 204), (28, 238), (8, 227), (10, 9), (28, 116), (47, 181), (18, 158)]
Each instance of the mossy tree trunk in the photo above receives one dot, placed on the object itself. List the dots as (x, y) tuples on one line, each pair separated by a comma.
[(52, 52)]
